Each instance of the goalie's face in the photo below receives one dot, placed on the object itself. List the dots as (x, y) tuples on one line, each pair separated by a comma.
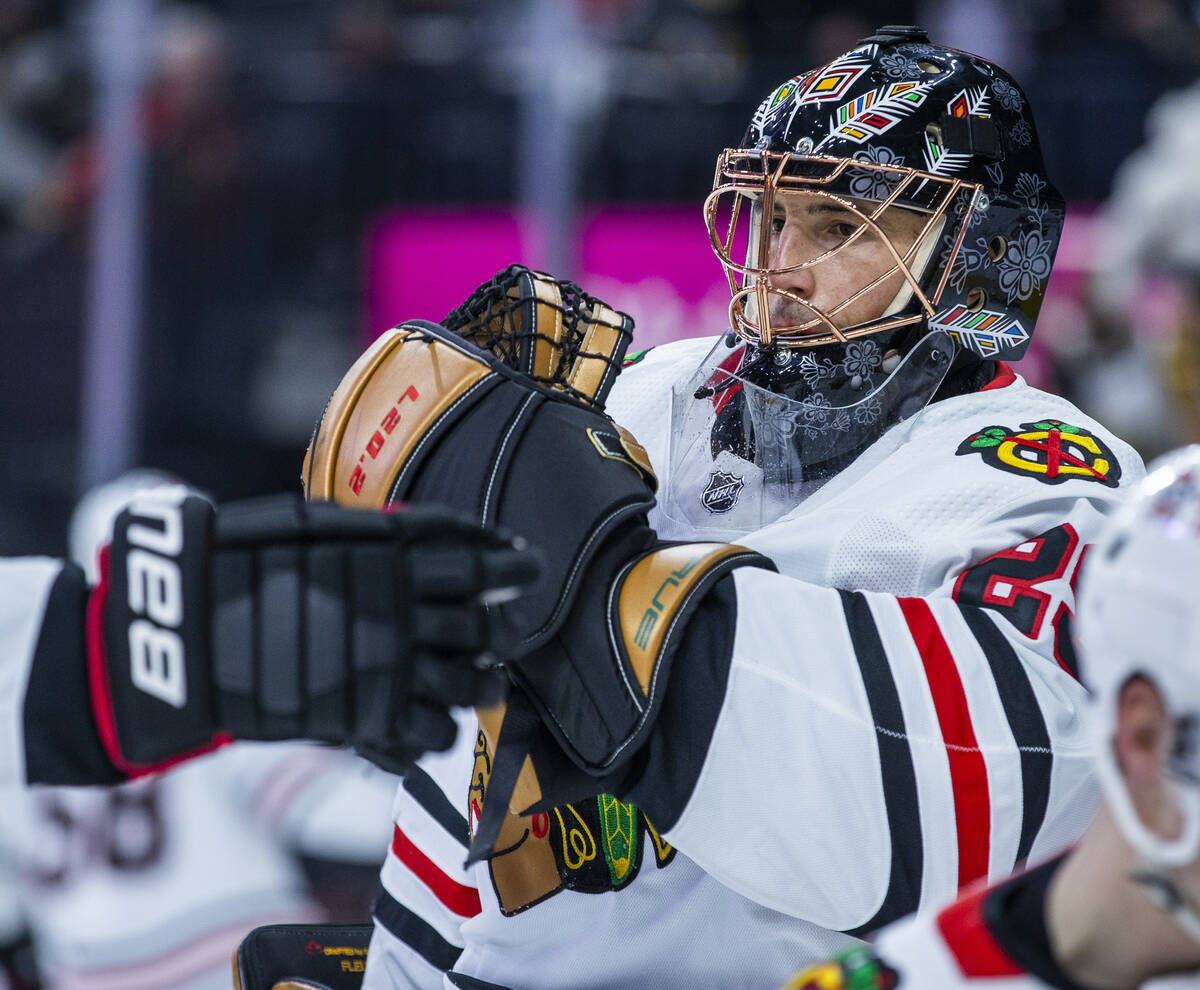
[(823, 250), (829, 259)]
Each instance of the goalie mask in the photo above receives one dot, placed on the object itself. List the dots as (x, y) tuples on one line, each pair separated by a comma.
[(925, 158), (1137, 615), (886, 224)]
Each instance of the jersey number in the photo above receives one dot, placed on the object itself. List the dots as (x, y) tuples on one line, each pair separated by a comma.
[(1008, 582)]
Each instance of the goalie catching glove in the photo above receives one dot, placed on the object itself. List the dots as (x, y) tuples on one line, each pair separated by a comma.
[(274, 619), (499, 415)]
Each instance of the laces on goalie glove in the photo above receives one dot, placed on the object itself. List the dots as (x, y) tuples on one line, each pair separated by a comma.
[(549, 330), (277, 619)]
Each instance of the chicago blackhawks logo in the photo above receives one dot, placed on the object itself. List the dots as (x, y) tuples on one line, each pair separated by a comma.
[(857, 968), (1048, 450), (593, 846), (722, 492)]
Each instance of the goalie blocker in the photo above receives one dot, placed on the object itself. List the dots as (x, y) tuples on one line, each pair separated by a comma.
[(513, 434)]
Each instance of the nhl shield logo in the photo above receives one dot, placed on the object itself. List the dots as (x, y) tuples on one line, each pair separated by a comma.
[(722, 492)]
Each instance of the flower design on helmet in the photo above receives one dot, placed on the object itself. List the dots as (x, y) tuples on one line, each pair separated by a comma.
[(816, 410), (815, 371), (1022, 133), (917, 49), (1029, 188), (1025, 265), (862, 358), (898, 66), (1007, 94), (868, 411), (966, 261), (870, 183)]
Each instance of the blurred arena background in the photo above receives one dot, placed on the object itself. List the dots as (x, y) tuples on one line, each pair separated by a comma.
[(207, 209)]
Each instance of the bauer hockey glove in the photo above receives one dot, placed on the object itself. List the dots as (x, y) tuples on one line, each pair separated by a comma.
[(276, 619)]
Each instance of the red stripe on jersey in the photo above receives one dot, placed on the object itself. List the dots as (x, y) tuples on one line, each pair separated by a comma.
[(968, 771), (460, 899), (729, 365), (969, 940), (1003, 377)]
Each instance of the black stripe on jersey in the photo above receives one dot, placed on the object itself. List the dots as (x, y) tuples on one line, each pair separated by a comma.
[(414, 932), (895, 766), (465, 982), (671, 760), (1024, 718), (433, 799)]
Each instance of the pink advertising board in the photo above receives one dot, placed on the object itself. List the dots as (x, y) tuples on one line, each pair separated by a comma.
[(654, 263)]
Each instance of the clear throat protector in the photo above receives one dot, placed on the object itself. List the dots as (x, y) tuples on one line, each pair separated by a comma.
[(755, 432)]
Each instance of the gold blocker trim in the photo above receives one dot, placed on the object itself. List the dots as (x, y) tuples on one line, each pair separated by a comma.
[(528, 791), (386, 404), (652, 593)]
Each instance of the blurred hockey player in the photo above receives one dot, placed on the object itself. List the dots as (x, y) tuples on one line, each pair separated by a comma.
[(1123, 906), (1147, 264), (154, 883), (857, 694)]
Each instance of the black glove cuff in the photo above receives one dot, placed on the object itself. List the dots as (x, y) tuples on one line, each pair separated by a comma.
[(62, 745), (148, 635)]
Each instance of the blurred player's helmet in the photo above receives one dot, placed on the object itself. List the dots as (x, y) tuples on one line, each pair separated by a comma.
[(91, 525), (928, 230), (1137, 614)]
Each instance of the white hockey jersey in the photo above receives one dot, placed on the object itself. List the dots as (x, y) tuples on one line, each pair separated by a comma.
[(25, 584), (900, 719), (153, 884), (993, 937)]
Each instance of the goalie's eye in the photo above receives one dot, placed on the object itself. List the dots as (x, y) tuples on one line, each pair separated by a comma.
[(841, 230)]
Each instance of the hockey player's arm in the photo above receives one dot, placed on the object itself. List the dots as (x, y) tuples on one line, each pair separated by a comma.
[(266, 619), (849, 757), (525, 444)]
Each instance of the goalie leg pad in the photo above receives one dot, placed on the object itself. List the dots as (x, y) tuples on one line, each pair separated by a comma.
[(274, 957)]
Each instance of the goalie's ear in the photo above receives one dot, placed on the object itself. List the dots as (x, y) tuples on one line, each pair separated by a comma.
[(548, 329)]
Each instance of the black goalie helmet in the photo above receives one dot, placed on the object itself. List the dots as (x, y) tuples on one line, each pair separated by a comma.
[(886, 223), (896, 124)]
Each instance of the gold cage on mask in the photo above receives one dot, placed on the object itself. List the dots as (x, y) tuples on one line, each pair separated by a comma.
[(753, 179)]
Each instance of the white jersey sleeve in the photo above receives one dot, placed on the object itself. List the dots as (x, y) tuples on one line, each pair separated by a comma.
[(899, 713), (426, 891), (889, 750), (25, 584)]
